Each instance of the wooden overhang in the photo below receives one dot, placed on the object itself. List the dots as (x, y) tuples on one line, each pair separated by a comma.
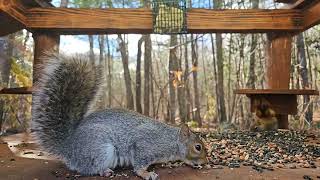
[(38, 15), (277, 91), (283, 101), (13, 14)]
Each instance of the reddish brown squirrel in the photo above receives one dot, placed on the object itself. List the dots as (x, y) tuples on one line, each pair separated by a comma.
[(265, 117)]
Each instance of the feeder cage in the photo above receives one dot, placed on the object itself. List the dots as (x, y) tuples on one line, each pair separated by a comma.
[(169, 16)]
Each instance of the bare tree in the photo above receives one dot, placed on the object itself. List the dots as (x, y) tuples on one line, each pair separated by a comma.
[(173, 67), (252, 76), (181, 91), (109, 74), (186, 79), (194, 57), (147, 73), (221, 106), (304, 75), (138, 77), (91, 52), (125, 61)]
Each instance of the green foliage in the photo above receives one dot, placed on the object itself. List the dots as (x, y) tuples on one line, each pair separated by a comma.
[(211, 112), (21, 73), (193, 124)]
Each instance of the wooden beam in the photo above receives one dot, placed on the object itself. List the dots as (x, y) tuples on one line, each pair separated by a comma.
[(83, 21), (12, 17), (43, 42), (278, 66), (278, 60), (21, 90), (311, 15), (286, 1), (277, 91)]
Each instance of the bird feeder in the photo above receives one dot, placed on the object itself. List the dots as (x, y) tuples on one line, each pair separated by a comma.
[(169, 16)]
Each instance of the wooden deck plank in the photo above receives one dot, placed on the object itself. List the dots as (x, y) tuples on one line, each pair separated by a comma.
[(277, 91)]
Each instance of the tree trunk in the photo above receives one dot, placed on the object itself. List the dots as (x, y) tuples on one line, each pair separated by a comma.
[(186, 79), (125, 61), (138, 77), (215, 74), (304, 76), (222, 109), (91, 52), (181, 94), (220, 88), (147, 69), (252, 74), (109, 74), (229, 80), (173, 67), (6, 53), (101, 40), (194, 57)]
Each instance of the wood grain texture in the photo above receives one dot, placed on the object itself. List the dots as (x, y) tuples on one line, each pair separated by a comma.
[(14, 9), (278, 60), (20, 90), (277, 91), (43, 42), (311, 15), (82, 21), (12, 17), (278, 66)]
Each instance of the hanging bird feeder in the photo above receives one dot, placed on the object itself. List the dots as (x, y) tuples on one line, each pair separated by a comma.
[(169, 16)]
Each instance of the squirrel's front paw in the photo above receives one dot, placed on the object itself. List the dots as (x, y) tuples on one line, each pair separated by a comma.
[(106, 173), (152, 176), (147, 175)]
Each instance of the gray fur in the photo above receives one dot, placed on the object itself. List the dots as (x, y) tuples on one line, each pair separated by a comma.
[(102, 140)]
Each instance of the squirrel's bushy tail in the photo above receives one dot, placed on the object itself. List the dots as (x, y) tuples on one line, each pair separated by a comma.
[(62, 96)]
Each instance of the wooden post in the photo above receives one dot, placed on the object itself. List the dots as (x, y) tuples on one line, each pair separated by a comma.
[(278, 66), (43, 42)]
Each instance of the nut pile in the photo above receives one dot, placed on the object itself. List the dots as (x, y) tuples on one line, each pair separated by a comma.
[(262, 150)]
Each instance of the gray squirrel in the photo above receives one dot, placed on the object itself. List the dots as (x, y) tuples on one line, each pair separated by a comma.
[(96, 143)]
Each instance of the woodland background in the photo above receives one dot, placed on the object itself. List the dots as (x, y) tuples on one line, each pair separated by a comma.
[(177, 78)]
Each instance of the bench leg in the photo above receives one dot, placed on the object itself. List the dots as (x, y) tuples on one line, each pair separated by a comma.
[(283, 121)]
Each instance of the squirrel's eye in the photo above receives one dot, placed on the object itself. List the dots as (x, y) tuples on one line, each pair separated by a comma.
[(198, 147)]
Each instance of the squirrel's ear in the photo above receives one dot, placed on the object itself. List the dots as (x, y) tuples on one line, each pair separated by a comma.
[(184, 132)]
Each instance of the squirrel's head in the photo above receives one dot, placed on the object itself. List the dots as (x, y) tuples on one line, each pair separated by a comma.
[(193, 151)]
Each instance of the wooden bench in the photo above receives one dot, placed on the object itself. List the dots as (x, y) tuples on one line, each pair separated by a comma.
[(283, 101)]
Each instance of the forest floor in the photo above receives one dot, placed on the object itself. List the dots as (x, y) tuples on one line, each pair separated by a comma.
[(21, 159)]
